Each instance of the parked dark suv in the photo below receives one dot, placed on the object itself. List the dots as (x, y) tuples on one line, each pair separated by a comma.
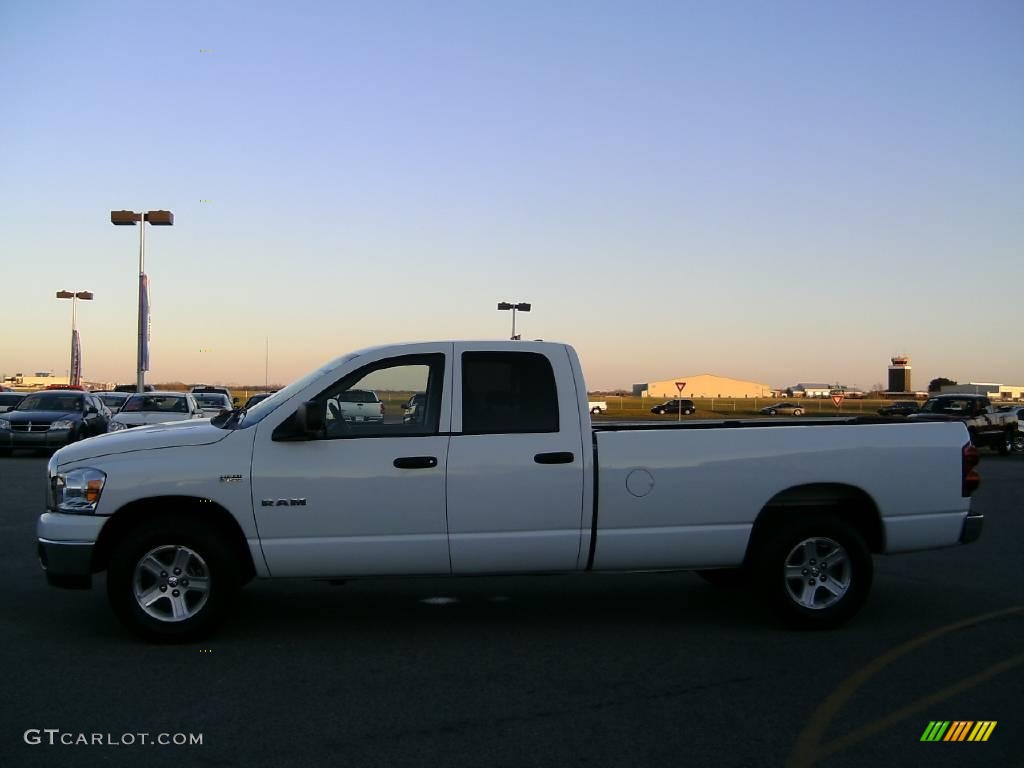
[(674, 406), (51, 419)]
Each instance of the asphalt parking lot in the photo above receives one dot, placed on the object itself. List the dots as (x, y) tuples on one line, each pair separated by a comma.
[(546, 671)]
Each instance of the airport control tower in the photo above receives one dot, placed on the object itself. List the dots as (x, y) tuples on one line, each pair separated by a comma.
[(899, 374)]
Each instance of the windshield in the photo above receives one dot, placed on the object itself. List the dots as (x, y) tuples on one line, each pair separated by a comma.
[(51, 401), (156, 404), (264, 408)]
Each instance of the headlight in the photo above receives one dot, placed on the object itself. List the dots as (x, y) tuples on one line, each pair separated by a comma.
[(5, 424), (77, 491), (116, 426), (63, 424)]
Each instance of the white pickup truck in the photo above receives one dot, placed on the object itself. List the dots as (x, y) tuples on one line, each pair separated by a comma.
[(504, 473)]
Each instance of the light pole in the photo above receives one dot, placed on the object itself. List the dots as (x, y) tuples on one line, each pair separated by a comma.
[(129, 218), (522, 307), (75, 371)]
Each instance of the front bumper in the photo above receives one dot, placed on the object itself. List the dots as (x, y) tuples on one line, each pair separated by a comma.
[(65, 546), (51, 438), (971, 530), (67, 564)]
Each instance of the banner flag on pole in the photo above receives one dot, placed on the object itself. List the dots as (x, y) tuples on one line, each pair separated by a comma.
[(144, 318), (75, 375)]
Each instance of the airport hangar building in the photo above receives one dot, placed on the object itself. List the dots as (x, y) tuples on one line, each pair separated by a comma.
[(703, 385)]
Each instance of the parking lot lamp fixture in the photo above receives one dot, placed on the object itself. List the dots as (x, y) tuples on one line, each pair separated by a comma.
[(521, 307), (74, 296), (130, 218)]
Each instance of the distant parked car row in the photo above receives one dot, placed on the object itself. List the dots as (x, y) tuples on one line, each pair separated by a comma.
[(57, 416)]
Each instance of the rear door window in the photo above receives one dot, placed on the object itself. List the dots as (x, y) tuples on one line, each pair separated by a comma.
[(506, 392)]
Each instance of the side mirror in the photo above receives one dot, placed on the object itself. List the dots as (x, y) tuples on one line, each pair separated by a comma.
[(309, 419)]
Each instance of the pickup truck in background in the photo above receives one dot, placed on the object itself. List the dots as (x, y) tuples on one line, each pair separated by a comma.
[(503, 474), (597, 407), (987, 426), (900, 408), (357, 405)]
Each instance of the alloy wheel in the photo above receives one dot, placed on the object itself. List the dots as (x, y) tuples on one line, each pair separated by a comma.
[(817, 573)]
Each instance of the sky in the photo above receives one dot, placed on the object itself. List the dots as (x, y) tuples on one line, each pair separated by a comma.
[(782, 192)]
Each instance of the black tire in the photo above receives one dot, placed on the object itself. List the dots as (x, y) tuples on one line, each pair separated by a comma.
[(787, 547), (726, 578), (688, 411), (1018, 441), (167, 536), (798, 411), (771, 412)]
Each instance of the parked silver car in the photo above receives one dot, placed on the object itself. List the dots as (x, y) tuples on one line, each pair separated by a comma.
[(212, 403), (792, 409)]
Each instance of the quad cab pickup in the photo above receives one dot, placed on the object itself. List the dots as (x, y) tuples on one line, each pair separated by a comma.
[(987, 426), (503, 473)]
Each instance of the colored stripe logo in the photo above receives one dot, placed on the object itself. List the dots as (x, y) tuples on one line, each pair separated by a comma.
[(958, 730)]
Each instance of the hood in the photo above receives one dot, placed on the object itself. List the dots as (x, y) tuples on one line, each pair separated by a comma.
[(173, 435), (135, 418), (20, 417)]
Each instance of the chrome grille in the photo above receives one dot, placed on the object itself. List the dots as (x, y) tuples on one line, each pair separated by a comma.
[(31, 426)]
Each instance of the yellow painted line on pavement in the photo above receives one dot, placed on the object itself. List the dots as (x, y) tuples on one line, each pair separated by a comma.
[(807, 749), (957, 731)]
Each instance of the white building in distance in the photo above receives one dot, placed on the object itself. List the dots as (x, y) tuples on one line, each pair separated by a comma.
[(704, 385)]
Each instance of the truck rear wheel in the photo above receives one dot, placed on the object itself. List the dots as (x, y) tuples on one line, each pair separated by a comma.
[(816, 571), (171, 579)]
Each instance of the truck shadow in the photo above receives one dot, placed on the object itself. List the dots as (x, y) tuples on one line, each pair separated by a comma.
[(592, 602)]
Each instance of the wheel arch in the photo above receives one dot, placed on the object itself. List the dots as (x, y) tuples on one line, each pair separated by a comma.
[(848, 502), (205, 511)]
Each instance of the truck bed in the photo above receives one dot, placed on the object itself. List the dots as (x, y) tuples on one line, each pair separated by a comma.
[(696, 488)]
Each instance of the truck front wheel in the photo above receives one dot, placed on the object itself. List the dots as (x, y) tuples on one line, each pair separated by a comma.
[(171, 580), (815, 570)]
